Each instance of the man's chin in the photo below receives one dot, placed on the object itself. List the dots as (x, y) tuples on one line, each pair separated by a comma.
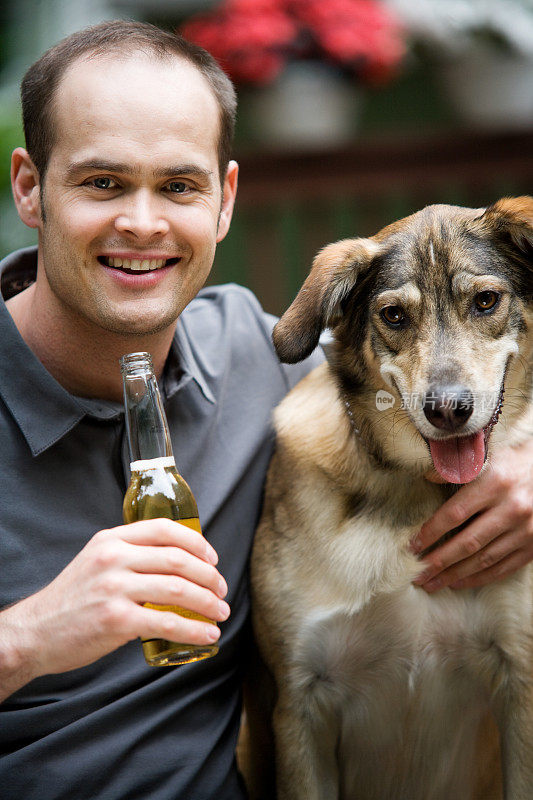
[(137, 328), (140, 318)]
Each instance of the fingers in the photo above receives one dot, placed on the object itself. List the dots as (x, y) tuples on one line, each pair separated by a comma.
[(165, 532), (452, 514), (177, 561), (121, 621), (500, 570), (434, 578), (469, 547), (478, 554), (175, 628), (171, 590)]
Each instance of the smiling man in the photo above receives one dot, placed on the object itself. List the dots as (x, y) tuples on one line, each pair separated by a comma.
[(129, 212), (127, 180)]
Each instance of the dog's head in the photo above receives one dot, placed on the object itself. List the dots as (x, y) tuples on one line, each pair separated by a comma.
[(433, 309)]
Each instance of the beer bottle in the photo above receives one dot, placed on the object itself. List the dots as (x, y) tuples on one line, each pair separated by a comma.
[(156, 489)]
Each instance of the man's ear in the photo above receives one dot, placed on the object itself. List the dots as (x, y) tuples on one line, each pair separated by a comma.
[(229, 192), (26, 185), (317, 305)]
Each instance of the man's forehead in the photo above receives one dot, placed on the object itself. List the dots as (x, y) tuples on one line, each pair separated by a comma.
[(135, 98), (136, 70)]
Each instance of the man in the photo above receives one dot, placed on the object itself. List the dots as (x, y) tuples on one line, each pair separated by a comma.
[(128, 182)]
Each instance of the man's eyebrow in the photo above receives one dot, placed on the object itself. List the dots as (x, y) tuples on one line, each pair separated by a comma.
[(98, 165), (182, 169)]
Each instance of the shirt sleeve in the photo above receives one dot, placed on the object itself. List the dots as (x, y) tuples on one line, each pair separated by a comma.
[(234, 311)]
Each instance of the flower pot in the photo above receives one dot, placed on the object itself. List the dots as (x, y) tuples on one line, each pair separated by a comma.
[(311, 105), (491, 88)]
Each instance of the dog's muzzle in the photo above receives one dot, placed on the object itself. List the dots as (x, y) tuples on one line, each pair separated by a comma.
[(458, 459)]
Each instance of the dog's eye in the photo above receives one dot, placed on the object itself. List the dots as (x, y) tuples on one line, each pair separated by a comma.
[(394, 316), (486, 301)]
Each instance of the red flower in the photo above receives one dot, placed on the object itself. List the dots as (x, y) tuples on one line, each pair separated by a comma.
[(253, 39)]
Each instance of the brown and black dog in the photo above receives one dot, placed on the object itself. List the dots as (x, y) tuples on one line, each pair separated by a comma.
[(380, 687)]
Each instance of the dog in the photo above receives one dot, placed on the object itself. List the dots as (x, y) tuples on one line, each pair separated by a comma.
[(380, 688)]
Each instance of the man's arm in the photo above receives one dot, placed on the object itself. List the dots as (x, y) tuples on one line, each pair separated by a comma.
[(498, 540), (95, 604)]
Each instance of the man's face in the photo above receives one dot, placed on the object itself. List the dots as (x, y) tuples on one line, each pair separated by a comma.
[(133, 177)]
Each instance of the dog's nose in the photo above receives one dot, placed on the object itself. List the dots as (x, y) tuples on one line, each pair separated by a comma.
[(448, 407)]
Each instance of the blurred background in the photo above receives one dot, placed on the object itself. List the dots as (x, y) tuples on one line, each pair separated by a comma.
[(352, 113)]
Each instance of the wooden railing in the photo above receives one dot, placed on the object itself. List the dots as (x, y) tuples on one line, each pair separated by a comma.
[(290, 205)]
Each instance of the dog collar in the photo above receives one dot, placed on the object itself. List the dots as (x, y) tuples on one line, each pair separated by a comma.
[(350, 413)]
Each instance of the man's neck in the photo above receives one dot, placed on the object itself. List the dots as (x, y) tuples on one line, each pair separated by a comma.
[(83, 358)]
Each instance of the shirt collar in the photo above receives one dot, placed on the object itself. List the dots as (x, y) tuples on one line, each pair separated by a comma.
[(182, 365), (41, 407)]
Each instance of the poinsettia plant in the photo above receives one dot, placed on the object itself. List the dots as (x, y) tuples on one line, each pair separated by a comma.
[(254, 39)]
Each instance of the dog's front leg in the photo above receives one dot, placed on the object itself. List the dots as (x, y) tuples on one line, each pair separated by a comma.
[(306, 738), (515, 717)]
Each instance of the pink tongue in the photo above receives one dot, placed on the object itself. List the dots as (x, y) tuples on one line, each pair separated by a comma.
[(459, 460)]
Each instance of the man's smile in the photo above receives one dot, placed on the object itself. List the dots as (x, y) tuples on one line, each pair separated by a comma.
[(136, 264)]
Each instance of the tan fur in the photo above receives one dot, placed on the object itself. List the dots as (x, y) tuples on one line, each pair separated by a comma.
[(383, 691)]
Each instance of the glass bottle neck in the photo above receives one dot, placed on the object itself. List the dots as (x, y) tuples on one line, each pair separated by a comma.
[(146, 424)]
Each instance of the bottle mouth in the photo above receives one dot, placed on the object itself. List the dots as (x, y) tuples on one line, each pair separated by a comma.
[(131, 362)]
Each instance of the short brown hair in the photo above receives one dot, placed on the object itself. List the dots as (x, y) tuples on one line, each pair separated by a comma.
[(42, 79)]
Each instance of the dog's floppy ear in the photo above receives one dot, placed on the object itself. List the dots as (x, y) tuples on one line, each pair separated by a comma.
[(317, 304), (513, 217)]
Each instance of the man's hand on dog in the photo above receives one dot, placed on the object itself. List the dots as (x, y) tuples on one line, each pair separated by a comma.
[(497, 541)]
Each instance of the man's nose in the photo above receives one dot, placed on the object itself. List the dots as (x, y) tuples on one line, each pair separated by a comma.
[(142, 217)]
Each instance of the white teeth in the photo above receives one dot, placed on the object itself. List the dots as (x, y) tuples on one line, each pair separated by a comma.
[(136, 263)]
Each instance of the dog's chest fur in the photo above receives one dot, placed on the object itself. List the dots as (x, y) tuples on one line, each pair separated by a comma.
[(394, 645), (408, 678)]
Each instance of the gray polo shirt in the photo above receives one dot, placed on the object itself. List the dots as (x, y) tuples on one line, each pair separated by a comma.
[(118, 729)]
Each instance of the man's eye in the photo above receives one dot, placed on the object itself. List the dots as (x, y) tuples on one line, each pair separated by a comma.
[(177, 187), (103, 183)]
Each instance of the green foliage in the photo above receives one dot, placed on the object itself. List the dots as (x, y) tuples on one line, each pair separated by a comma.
[(11, 136)]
